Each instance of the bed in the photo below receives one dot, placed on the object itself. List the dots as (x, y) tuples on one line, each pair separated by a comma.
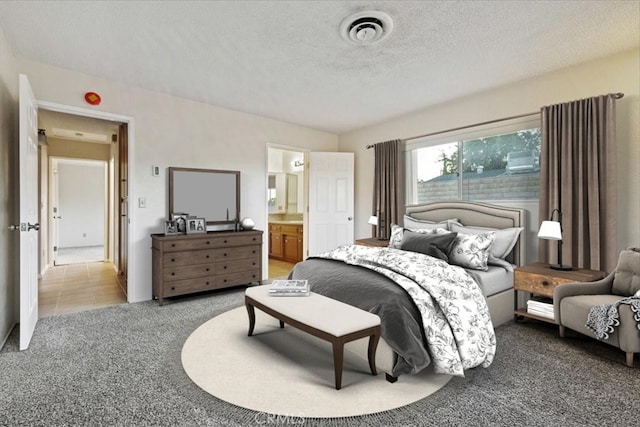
[(409, 342)]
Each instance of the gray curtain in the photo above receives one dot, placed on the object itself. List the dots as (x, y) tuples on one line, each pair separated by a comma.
[(578, 177), (388, 186)]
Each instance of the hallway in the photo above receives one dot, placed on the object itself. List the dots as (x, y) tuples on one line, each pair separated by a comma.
[(78, 287)]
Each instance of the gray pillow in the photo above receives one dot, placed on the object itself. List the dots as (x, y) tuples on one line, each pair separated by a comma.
[(435, 245), (626, 279), (395, 240)]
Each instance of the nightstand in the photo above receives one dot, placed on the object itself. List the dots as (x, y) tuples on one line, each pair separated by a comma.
[(540, 280), (373, 241)]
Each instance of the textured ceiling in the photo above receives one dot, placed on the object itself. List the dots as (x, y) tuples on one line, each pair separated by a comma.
[(286, 60)]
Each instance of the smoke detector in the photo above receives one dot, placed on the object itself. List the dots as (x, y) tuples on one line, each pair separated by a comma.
[(365, 28)]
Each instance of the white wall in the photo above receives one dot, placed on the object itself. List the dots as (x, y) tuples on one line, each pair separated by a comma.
[(81, 203), (8, 192), (172, 131), (617, 73)]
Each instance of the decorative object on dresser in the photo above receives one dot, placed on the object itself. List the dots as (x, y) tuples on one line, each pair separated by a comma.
[(539, 280), (184, 264), (373, 241), (247, 223), (552, 230)]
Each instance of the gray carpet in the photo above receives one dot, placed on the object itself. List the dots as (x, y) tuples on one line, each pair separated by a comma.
[(121, 366)]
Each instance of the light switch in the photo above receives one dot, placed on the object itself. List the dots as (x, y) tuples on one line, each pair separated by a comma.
[(155, 170), (142, 202)]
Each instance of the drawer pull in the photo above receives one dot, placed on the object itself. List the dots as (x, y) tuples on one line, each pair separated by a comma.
[(207, 256), (225, 267), (173, 245), (253, 252), (173, 288), (225, 280), (545, 283), (173, 260), (207, 242), (173, 274), (225, 241), (253, 263), (225, 254), (207, 269), (207, 283)]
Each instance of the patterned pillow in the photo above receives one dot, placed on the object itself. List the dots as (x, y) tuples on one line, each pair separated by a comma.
[(472, 250), (506, 238)]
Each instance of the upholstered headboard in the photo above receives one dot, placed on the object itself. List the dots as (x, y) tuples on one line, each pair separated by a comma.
[(476, 214)]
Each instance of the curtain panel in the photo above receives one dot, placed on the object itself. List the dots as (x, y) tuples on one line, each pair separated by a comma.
[(388, 186), (578, 177)]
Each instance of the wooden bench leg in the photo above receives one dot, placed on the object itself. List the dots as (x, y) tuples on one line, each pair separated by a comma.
[(252, 317), (338, 357), (281, 324), (373, 345)]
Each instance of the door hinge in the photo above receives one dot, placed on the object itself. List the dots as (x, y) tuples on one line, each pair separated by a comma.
[(55, 249)]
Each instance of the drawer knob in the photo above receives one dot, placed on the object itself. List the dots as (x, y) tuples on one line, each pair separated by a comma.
[(173, 274), (254, 263), (173, 288), (225, 254), (173, 245), (225, 267), (253, 252), (545, 283), (207, 256), (207, 242), (207, 282), (225, 241), (173, 260), (207, 269), (225, 280)]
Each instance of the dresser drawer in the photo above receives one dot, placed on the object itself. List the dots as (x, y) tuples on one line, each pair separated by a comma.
[(187, 272), (537, 284), (225, 267), (188, 286), (179, 259), (188, 244), (240, 278), (241, 252), (238, 240)]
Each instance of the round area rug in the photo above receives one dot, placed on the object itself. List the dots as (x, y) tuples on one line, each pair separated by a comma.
[(288, 372)]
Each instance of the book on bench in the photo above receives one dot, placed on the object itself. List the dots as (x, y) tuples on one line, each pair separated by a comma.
[(289, 288)]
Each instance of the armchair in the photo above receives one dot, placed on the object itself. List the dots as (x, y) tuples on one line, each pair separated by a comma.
[(572, 303)]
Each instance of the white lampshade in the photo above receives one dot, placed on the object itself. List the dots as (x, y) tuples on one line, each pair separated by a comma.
[(373, 220), (550, 230)]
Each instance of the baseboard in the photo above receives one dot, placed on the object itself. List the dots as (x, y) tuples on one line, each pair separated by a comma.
[(6, 337)]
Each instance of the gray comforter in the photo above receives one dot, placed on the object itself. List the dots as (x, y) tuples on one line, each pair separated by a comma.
[(430, 311)]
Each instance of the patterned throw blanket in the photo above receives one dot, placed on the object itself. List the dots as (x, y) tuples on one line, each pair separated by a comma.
[(603, 319), (455, 315)]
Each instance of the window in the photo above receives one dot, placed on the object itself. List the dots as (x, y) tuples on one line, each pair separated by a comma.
[(492, 164)]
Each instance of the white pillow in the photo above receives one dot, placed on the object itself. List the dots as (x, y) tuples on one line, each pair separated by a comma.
[(472, 250), (418, 224), (506, 238)]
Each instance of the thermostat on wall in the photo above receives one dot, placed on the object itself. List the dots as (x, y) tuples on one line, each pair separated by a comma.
[(155, 170)]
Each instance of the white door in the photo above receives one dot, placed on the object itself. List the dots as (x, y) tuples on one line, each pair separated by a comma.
[(330, 201), (28, 212)]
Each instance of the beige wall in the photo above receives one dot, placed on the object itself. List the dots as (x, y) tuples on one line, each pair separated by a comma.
[(78, 150), (617, 73), (171, 131), (8, 191)]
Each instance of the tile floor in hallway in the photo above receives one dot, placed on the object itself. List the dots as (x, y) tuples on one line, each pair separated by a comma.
[(78, 287)]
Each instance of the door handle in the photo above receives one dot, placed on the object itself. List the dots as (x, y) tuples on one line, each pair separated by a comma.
[(24, 227)]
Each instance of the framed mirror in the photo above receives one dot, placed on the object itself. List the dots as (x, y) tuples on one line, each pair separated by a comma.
[(205, 193)]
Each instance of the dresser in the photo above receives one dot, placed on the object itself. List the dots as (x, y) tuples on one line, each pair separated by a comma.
[(188, 263)]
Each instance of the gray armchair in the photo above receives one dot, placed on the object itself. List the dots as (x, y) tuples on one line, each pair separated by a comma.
[(572, 303)]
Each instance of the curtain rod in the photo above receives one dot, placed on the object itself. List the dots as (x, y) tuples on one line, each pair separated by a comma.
[(616, 96)]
